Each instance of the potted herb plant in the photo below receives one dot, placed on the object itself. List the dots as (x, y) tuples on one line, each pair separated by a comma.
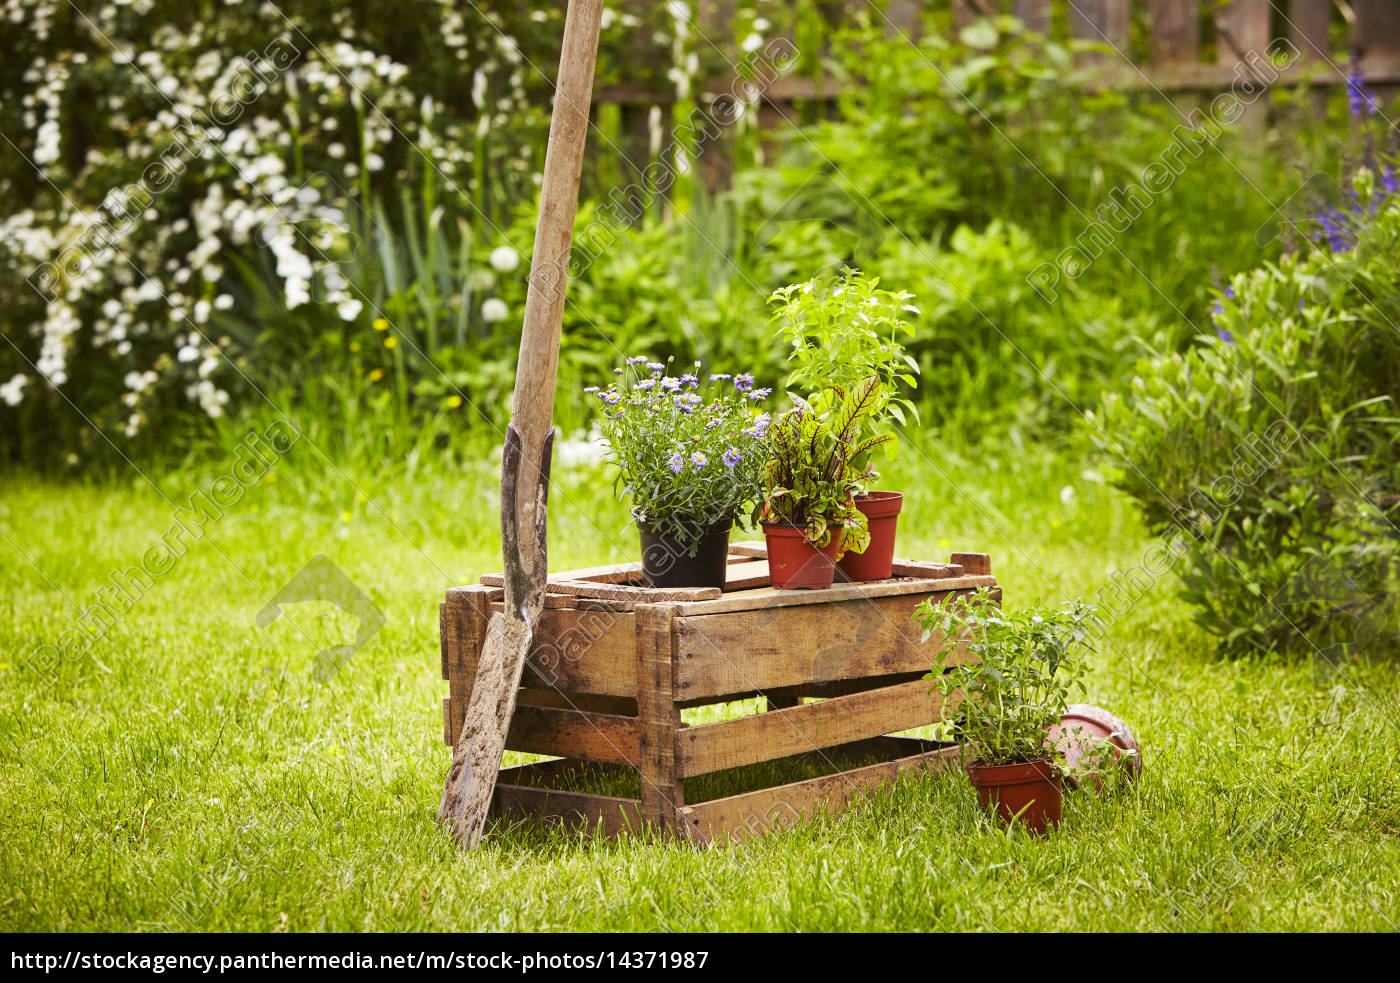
[(1009, 695), (842, 329), (811, 482), (690, 455)]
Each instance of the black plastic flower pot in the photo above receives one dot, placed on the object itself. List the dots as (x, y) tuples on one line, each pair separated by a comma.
[(667, 562)]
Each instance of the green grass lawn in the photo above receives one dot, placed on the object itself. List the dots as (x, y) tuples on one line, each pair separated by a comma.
[(193, 772)]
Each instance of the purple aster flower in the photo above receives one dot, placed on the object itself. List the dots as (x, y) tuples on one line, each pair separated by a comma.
[(743, 382), (645, 383), (611, 397), (717, 376), (590, 389), (1390, 181), (676, 463), (636, 360), (656, 366), (711, 424), (699, 459), (1225, 336), (671, 383), (731, 457), (759, 394), (690, 380)]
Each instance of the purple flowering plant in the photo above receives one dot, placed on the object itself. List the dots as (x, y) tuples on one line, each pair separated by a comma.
[(689, 447)]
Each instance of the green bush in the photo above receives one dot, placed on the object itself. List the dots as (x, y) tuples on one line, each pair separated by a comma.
[(1266, 454)]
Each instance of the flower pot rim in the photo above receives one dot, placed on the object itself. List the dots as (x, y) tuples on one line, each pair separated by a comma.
[(878, 496), (1016, 773), (641, 521)]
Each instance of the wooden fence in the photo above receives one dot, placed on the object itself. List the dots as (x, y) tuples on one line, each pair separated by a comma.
[(1171, 45)]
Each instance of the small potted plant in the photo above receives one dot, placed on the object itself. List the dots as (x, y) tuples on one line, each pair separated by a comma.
[(811, 482), (690, 455), (1008, 696), (842, 329)]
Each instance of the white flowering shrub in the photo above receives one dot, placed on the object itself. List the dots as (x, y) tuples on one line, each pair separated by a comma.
[(202, 197), (158, 149)]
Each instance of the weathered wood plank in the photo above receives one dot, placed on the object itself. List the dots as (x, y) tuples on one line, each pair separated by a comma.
[(620, 705), (1377, 29), (1241, 27), (1104, 22), (822, 691), (773, 597), (658, 716), (571, 809), (747, 575), (973, 564), (583, 652), (790, 646), (1309, 28), (1176, 31), (586, 735), (462, 620), (812, 726), (739, 817)]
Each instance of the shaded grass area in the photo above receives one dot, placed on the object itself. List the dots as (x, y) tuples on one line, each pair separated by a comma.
[(191, 771)]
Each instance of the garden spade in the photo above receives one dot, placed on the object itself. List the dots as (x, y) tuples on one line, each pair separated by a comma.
[(466, 796)]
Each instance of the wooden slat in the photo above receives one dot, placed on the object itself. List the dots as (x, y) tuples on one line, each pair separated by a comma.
[(658, 716), (1309, 28), (584, 735), (462, 619), (584, 652), (930, 571), (613, 814), (1241, 27), (790, 646), (629, 592), (798, 729), (1103, 22), (1376, 32), (621, 705), (746, 575), (974, 564), (821, 691), (767, 598), (1176, 31), (768, 810)]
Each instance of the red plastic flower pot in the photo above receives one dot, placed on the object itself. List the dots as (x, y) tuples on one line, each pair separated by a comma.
[(881, 510), (794, 563), (1025, 793)]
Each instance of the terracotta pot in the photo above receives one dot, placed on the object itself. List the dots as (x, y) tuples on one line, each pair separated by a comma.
[(665, 562), (1074, 736), (1025, 793), (794, 563), (881, 511)]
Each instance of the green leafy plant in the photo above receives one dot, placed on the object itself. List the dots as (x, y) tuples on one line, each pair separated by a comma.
[(811, 478), (1025, 672), (689, 453), (842, 329), (1265, 457)]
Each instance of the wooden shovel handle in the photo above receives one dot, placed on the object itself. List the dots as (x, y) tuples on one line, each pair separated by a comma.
[(532, 408)]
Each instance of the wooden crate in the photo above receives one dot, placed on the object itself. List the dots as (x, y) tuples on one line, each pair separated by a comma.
[(614, 664)]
